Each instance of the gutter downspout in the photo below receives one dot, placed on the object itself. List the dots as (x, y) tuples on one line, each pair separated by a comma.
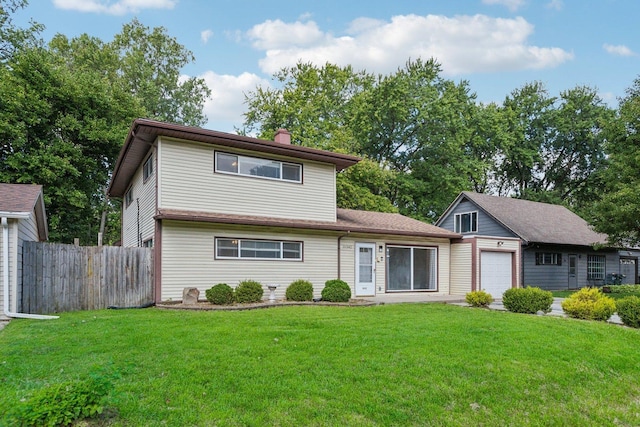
[(5, 278), (340, 255)]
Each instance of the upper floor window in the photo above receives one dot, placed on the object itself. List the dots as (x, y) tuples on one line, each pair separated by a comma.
[(128, 197), (466, 222), (595, 267), (147, 169), (257, 167), (548, 258), (258, 249)]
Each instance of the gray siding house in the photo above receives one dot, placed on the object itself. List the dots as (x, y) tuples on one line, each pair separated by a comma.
[(560, 250)]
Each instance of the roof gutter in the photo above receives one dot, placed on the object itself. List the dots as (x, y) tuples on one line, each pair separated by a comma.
[(5, 278)]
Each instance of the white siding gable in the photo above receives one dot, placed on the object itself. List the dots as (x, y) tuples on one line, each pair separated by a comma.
[(137, 218)]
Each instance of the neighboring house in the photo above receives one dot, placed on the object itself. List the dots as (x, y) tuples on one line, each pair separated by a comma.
[(23, 218), (220, 208), (559, 249)]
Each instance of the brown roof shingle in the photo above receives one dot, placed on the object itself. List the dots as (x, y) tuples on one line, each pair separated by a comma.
[(537, 222), (347, 221), (19, 198)]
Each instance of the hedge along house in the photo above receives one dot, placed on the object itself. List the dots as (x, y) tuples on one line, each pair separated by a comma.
[(23, 218), (221, 208), (558, 247)]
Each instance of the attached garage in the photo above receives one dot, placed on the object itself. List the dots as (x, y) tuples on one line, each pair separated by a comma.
[(496, 272)]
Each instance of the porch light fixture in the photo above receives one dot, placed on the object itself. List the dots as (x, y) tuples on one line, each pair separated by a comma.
[(500, 243), (380, 249)]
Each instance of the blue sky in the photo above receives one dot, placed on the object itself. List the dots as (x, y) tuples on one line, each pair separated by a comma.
[(496, 45)]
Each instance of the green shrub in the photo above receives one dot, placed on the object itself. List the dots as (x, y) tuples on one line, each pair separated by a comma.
[(589, 304), (624, 289), (336, 291), (63, 403), (249, 291), (300, 290), (527, 300), (478, 299), (628, 309), (220, 294)]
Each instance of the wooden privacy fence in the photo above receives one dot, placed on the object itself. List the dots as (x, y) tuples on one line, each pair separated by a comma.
[(58, 278)]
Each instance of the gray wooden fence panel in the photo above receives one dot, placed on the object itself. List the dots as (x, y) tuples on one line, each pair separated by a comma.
[(58, 278)]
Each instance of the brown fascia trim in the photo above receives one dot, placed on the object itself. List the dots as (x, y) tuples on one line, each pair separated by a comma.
[(269, 222), (151, 129)]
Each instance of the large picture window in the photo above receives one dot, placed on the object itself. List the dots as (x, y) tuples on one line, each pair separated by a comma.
[(411, 268), (257, 167), (596, 267), (466, 222), (258, 249)]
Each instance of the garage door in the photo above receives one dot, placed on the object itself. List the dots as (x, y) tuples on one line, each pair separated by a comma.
[(495, 272)]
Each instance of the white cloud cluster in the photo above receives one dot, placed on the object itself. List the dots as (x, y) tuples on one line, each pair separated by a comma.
[(226, 105), (462, 44), (120, 7), (512, 5), (618, 50), (205, 35)]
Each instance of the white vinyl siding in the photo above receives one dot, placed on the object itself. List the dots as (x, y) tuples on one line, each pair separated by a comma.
[(188, 251), (461, 268), (13, 266), (188, 182), (138, 216)]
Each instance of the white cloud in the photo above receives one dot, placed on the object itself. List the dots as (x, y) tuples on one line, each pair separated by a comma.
[(206, 35), (512, 5), (225, 107), (555, 4), (120, 7), (618, 50), (462, 44)]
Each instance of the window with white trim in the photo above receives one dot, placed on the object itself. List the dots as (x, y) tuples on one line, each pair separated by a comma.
[(147, 168), (258, 167), (548, 258), (258, 249), (596, 267), (147, 243), (466, 222), (128, 197)]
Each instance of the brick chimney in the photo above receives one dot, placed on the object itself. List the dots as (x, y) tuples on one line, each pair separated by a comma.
[(283, 137)]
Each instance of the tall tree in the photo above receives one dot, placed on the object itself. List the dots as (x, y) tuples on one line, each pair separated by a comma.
[(13, 37), (618, 212)]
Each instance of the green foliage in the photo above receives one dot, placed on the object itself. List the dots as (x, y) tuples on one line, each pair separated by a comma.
[(527, 300), (624, 289), (478, 299), (628, 309), (589, 304), (61, 404), (336, 291), (220, 294), (249, 291), (300, 290), (364, 186)]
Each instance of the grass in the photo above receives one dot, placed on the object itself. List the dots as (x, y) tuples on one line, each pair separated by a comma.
[(400, 364)]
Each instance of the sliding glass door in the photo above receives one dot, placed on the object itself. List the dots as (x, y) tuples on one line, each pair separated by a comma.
[(411, 268)]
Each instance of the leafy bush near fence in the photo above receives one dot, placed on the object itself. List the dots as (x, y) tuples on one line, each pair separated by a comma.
[(336, 291), (478, 299), (589, 304), (527, 300), (300, 290), (220, 294), (628, 309), (249, 291)]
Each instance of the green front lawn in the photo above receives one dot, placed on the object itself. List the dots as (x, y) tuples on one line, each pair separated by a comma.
[(396, 364)]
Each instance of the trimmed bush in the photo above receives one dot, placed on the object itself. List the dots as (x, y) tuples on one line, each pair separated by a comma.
[(220, 294), (628, 309), (624, 289), (336, 291), (479, 299), (589, 304), (300, 290), (249, 291), (527, 300)]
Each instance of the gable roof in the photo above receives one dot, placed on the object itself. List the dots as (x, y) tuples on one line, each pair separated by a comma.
[(20, 200), (144, 132), (348, 220), (534, 222)]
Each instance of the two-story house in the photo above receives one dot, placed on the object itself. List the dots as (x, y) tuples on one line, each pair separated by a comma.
[(220, 208), (560, 250)]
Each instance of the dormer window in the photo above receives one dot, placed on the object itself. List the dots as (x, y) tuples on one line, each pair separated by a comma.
[(466, 222), (258, 167)]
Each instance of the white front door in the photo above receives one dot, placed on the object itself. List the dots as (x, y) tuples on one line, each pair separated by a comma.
[(365, 269)]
